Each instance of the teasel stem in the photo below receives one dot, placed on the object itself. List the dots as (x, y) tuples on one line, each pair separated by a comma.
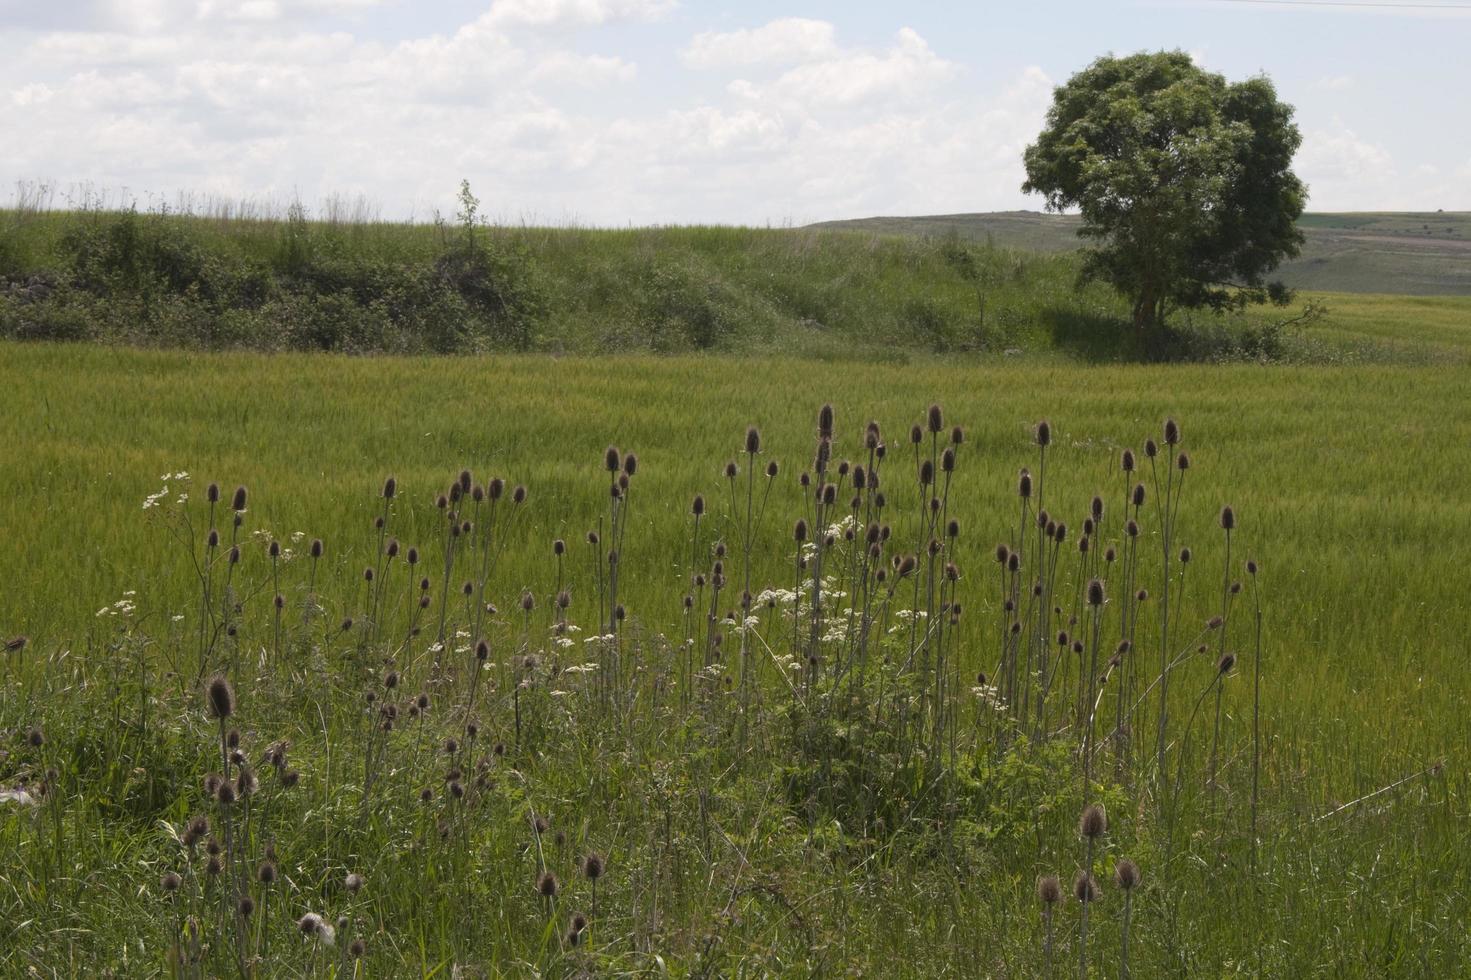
[(1174, 800), (1256, 711), (1226, 524)]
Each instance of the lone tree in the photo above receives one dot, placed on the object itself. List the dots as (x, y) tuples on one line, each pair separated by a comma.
[(1184, 181)]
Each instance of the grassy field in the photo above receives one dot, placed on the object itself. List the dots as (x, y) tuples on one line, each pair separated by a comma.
[(737, 840), (178, 281), (1410, 253)]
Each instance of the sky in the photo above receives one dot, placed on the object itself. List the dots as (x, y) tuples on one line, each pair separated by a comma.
[(636, 112)]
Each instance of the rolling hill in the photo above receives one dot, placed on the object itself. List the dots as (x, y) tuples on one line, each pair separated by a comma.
[(1412, 253)]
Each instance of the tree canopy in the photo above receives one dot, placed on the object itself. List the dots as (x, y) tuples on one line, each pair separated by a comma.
[(1183, 179)]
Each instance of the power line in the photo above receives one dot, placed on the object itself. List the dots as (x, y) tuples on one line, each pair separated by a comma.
[(1354, 3)]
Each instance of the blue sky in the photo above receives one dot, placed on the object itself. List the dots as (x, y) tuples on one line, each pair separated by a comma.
[(617, 112)]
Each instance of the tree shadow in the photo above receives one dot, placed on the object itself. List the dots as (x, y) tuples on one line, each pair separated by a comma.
[(1097, 338)]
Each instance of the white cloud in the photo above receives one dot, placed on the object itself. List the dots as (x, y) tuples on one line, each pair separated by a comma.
[(1344, 171), (264, 110), (574, 13), (1334, 83), (784, 41)]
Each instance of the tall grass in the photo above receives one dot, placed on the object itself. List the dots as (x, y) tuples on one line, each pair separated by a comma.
[(840, 790)]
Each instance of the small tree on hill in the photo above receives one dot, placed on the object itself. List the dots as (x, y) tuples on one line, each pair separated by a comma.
[(1184, 181)]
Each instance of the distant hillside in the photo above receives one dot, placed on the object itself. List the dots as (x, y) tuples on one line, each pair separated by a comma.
[(1412, 253)]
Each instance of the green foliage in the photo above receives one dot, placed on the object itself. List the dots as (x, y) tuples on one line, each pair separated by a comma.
[(1184, 181)]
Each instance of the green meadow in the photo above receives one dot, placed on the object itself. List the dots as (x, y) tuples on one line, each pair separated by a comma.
[(737, 838)]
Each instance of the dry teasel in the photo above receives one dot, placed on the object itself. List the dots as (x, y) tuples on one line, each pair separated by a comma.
[(220, 695), (1093, 823)]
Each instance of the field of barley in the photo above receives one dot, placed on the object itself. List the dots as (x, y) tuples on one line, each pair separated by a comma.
[(513, 715)]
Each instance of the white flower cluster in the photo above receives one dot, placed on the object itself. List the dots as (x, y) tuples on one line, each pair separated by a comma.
[(154, 499), (123, 607)]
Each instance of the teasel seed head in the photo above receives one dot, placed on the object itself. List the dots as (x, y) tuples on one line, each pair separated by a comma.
[(1224, 665), (317, 547), (1182, 462), (220, 695), (1049, 890), (1093, 823), (825, 422), (731, 470), (1043, 433), (1151, 448), (1126, 461), (212, 493), (496, 488), (357, 948), (947, 460), (1250, 567), (957, 436), (213, 538), (1131, 528), (547, 885), (593, 866), (630, 464), (1172, 432), (1185, 555), (1228, 518), (225, 794), (1095, 592), (1024, 485), (916, 435), (935, 418), (926, 473), (753, 440), (237, 504), (612, 461), (1085, 888)]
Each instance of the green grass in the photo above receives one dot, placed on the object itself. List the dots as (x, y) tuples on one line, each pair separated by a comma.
[(1349, 486)]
